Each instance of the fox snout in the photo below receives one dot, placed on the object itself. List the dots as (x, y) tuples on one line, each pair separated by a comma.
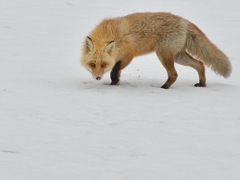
[(97, 77)]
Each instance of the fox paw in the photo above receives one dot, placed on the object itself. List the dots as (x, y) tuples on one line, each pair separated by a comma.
[(114, 83), (200, 85)]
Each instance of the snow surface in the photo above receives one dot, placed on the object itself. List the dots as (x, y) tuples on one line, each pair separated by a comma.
[(57, 123)]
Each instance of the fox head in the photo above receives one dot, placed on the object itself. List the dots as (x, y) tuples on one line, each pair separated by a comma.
[(97, 57)]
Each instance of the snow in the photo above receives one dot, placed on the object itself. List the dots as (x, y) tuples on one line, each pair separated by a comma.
[(56, 122)]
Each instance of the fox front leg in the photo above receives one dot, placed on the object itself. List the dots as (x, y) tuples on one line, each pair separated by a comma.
[(116, 71), (115, 74)]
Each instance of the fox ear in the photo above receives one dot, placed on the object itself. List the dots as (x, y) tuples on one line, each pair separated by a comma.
[(110, 46), (89, 44)]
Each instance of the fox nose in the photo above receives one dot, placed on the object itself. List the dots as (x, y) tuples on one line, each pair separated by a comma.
[(98, 78)]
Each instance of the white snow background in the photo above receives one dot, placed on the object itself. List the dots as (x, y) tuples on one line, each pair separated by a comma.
[(57, 123)]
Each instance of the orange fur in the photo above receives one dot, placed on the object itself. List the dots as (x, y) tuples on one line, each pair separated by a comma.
[(115, 42)]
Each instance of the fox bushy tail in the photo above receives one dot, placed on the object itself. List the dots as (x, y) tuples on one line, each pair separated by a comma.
[(198, 45)]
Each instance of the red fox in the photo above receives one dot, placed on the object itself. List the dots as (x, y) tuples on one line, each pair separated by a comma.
[(113, 44)]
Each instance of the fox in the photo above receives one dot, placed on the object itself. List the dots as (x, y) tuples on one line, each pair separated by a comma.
[(114, 42)]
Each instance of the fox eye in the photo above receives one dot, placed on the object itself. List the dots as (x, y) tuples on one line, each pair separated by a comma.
[(92, 65), (103, 65)]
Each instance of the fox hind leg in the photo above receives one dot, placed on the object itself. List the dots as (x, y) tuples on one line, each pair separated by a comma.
[(167, 59), (185, 59)]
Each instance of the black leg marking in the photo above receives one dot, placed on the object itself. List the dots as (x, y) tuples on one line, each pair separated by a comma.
[(115, 73)]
